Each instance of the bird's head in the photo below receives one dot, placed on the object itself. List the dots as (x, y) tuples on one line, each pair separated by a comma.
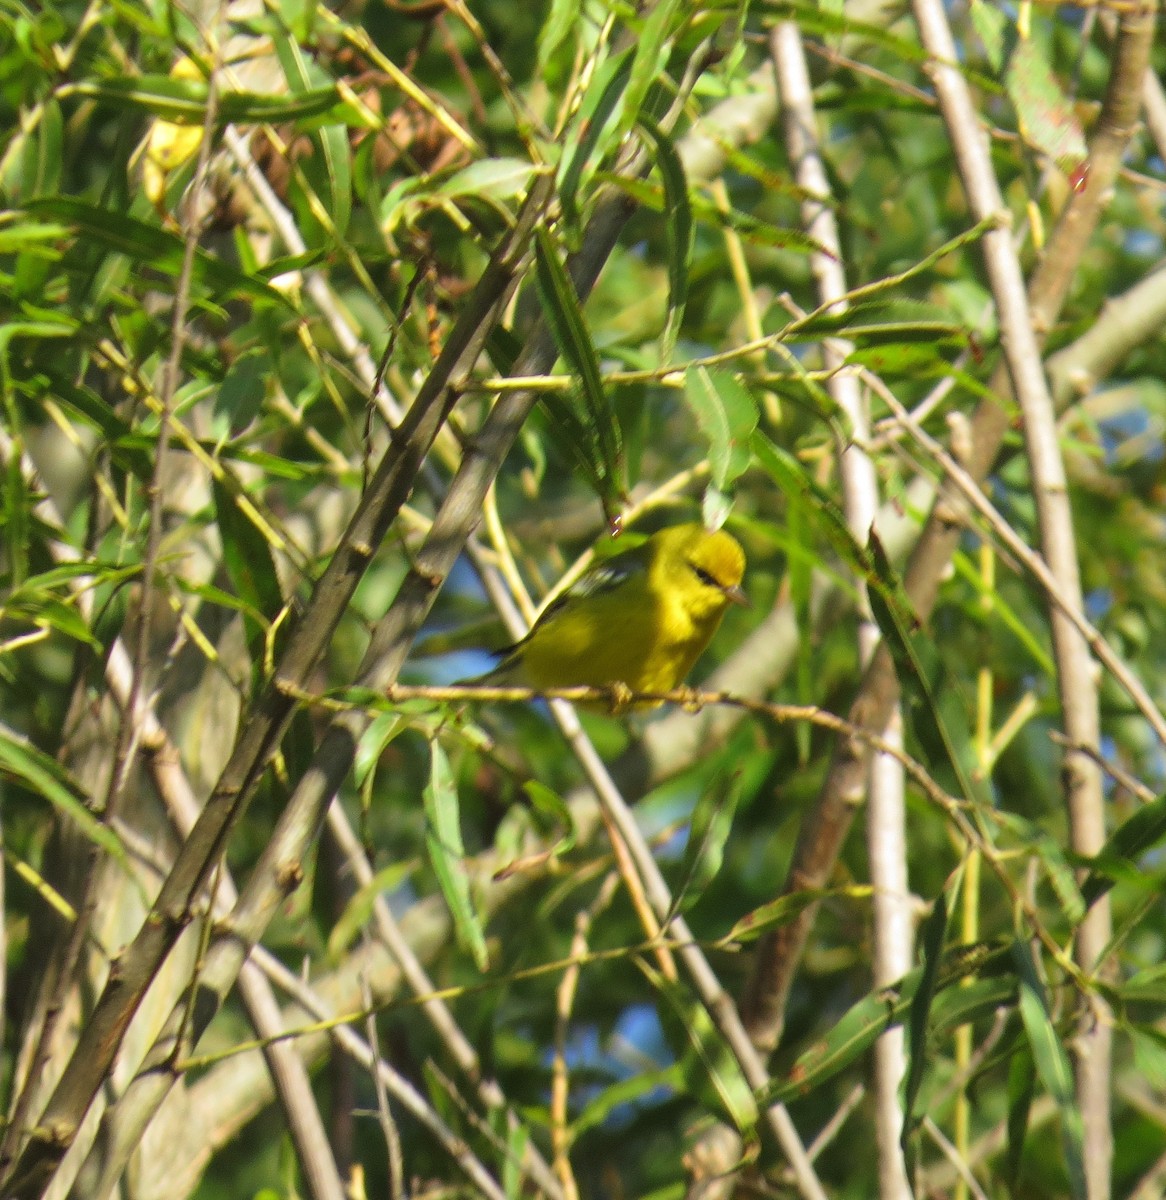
[(713, 561)]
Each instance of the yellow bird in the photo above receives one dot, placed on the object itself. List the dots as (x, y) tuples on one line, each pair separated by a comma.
[(641, 618)]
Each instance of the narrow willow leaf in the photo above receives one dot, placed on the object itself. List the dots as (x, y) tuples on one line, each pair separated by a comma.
[(707, 1066), (708, 831), (932, 938), (562, 18), (882, 1009), (793, 479), (447, 855), (46, 612), (956, 1006), (847, 1040), (900, 320), (45, 777), (992, 26), (940, 710), (514, 1177), (1149, 1046), (1145, 987), (25, 234), (650, 59), (1021, 1088), (1141, 832), (151, 246), (596, 1111), (242, 391), (358, 910), (1052, 1065), (549, 804), (373, 743), (329, 169), (1012, 620), (183, 101), (591, 132), (335, 165), (597, 439), (781, 911), (1044, 113), (494, 179), (677, 230), (248, 560)]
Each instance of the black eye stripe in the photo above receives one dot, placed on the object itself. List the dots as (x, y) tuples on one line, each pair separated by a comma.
[(703, 575)]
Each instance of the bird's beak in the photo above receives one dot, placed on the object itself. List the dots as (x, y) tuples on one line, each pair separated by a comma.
[(736, 596)]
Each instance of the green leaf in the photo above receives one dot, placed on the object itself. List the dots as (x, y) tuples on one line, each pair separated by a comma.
[(24, 235), (898, 321), (183, 101), (707, 1066), (1044, 113), (514, 1180), (495, 179), (447, 855), (373, 743), (243, 388), (932, 938), (651, 57), (549, 805), (1052, 1065), (882, 1009), (251, 567), (562, 18), (847, 1040), (45, 777), (1149, 1046), (626, 1091), (329, 169), (971, 1001), (939, 712), (594, 436), (1144, 830), (359, 908), (992, 25), (824, 513), (153, 247), (587, 138), (727, 415), (708, 831), (677, 230), (1021, 1088), (781, 911)]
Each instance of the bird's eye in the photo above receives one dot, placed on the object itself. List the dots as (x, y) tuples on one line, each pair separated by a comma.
[(704, 576)]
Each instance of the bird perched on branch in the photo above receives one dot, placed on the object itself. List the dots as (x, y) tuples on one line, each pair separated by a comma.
[(640, 618)]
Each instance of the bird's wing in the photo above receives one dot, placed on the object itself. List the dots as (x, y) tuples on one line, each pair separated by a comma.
[(603, 576)]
